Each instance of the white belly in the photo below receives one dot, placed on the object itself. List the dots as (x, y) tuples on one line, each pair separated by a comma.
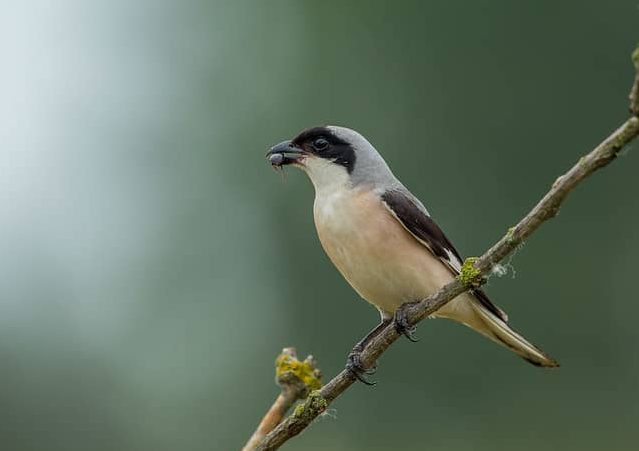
[(382, 261)]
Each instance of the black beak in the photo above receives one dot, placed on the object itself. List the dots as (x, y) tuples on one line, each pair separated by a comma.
[(284, 153)]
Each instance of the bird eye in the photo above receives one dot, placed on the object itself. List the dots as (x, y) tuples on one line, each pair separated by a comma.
[(320, 144)]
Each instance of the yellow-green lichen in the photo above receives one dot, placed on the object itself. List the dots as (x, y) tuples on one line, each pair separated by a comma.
[(635, 57), (469, 276), (510, 234), (299, 410), (304, 371), (315, 404)]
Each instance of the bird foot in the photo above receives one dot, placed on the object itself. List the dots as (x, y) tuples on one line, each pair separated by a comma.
[(354, 366), (401, 323)]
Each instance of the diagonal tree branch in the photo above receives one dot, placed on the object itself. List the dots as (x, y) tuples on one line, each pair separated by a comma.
[(473, 274)]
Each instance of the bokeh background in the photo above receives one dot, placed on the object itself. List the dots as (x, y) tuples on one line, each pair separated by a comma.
[(153, 265)]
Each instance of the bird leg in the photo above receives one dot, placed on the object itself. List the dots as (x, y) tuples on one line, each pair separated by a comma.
[(402, 325), (353, 362)]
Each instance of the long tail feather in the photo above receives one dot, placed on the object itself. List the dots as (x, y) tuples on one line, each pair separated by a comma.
[(499, 331)]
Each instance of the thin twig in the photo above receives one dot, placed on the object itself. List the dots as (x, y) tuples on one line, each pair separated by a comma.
[(474, 272), (272, 418), (634, 92), (296, 379)]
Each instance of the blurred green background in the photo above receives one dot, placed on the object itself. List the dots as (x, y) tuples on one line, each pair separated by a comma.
[(153, 265)]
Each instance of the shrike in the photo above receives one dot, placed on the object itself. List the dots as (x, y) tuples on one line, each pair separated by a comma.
[(383, 241)]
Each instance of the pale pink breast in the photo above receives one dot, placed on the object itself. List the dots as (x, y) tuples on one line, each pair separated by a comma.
[(382, 261)]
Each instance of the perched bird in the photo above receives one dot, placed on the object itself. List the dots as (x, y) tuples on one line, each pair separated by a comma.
[(383, 241)]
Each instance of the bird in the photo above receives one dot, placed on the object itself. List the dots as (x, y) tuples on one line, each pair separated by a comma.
[(384, 242)]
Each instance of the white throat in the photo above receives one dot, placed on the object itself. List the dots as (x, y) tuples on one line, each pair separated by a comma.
[(328, 178)]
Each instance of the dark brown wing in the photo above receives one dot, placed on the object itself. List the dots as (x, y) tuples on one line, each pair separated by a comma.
[(418, 222)]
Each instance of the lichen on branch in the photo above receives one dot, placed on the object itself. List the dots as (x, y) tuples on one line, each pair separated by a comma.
[(314, 405), (287, 366), (470, 276), (297, 380)]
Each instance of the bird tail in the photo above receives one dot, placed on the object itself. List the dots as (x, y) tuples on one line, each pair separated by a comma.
[(500, 332)]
